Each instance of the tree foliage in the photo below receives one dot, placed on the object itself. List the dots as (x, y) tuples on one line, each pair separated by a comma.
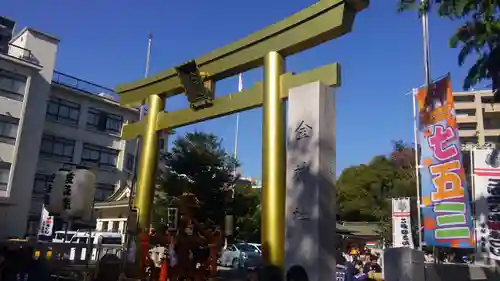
[(364, 192), (198, 164), (479, 35), (246, 211)]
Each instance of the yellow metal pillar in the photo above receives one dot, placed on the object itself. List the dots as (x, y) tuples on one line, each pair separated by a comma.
[(273, 163), (148, 165)]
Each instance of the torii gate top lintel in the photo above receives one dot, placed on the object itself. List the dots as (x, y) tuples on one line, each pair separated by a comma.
[(319, 23)]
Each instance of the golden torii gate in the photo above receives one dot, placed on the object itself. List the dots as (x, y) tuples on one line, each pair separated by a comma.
[(319, 23)]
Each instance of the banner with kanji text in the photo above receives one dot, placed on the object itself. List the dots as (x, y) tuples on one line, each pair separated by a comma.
[(445, 198)]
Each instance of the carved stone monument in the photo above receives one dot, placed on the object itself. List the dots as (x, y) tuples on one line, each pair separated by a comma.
[(310, 235), (404, 264)]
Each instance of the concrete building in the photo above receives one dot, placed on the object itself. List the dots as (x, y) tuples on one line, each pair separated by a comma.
[(50, 120), (26, 70), (82, 127), (478, 121), (478, 118)]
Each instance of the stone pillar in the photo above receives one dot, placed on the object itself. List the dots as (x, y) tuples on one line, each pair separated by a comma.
[(404, 264), (310, 235)]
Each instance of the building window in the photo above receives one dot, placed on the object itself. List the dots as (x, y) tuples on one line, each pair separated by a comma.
[(491, 122), (162, 144), (103, 191), (8, 129), (467, 126), (104, 226), (465, 98), (468, 140), (4, 176), (99, 155), (12, 85), (115, 226), (63, 111), (466, 112), (36, 206), (104, 121), (130, 162), (492, 139), (487, 100), (57, 147), (40, 186)]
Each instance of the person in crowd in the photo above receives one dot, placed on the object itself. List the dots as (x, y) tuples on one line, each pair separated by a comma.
[(358, 265), (372, 268), (372, 265)]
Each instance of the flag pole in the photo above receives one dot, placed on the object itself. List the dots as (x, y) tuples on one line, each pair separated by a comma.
[(425, 37), (229, 215), (141, 116), (473, 197), (427, 75), (417, 167), (133, 180), (240, 88)]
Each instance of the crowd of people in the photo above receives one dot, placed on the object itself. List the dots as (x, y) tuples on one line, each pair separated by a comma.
[(358, 265)]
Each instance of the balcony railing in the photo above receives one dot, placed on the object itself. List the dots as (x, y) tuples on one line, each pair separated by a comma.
[(21, 53), (81, 85)]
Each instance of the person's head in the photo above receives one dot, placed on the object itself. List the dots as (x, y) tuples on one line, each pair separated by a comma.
[(297, 273), (373, 258), (253, 275)]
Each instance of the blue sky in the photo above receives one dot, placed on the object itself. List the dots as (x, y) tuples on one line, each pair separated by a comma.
[(105, 42)]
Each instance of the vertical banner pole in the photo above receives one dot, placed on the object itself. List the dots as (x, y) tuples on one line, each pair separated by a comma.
[(427, 71), (426, 47), (417, 167), (473, 199)]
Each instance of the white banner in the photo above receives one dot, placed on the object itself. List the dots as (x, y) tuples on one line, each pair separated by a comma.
[(46, 223), (401, 223), (487, 202)]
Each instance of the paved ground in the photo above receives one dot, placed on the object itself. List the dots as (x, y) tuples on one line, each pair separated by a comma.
[(230, 274)]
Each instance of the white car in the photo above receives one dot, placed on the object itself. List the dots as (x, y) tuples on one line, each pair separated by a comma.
[(241, 255)]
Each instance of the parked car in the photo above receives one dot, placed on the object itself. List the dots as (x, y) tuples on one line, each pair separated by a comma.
[(239, 255)]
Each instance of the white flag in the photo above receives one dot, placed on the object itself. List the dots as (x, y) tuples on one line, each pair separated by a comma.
[(46, 223), (487, 202), (240, 82), (401, 223)]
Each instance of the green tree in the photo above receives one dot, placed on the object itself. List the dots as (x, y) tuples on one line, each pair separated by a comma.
[(197, 163), (478, 35), (364, 191), (246, 211)]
